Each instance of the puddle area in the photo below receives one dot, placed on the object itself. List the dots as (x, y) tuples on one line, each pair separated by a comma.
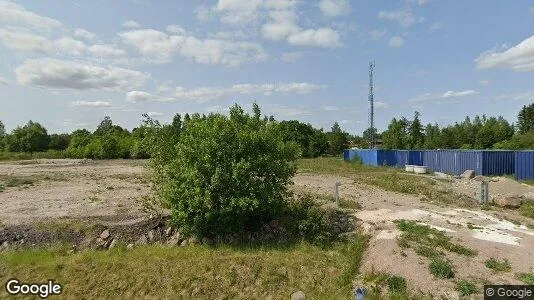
[(483, 226)]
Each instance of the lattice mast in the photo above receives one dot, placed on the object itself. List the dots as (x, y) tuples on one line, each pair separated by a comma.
[(372, 131)]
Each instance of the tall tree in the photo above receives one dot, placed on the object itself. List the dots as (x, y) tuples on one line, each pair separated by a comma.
[(396, 136), (32, 137), (417, 137), (525, 119), (337, 139)]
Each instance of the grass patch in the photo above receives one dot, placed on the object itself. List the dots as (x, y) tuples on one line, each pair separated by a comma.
[(529, 182), (344, 203), (427, 241), (2, 188), (466, 288), (94, 199), (441, 268), (527, 278), (473, 226), (527, 209), (15, 181), (378, 281), (498, 265), (156, 271)]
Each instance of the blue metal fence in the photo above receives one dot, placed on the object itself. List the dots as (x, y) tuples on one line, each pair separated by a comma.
[(483, 162)]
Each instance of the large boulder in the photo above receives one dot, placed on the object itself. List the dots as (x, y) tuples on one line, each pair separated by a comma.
[(510, 201), (468, 174), (298, 296)]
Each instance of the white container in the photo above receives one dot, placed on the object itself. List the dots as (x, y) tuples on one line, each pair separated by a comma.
[(408, 168), (419, 169)]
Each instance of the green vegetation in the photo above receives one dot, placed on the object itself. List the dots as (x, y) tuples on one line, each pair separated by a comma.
[(161, 272), (498, 265), (441, 268), (527, 209), (466, 288), (527, 278), (378, 281), (427, 241), (396, 284), (473, 226)]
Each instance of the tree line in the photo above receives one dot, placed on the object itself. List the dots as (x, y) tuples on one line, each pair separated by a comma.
[(110, 141), (481, 132)]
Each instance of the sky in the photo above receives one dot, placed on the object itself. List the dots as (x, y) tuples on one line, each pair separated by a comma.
[(67, 64)]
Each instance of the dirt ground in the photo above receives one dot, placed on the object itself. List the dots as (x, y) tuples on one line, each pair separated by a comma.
[(113, 191)]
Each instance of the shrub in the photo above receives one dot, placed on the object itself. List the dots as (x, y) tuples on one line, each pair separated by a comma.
[(498, 265), (226, 174), (396, 284), (466, 288), (441, 268)]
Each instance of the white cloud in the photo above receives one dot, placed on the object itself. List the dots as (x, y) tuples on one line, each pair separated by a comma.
[(435, 26), (380, 104), (3, 80), (154, 114), (322, 37), (396, 41), (288, 111), (376, 34), (329, 108), (84, 34), (175, 29), (131, 24), (450, 94), (291, 56), (106, 50), (203, 13), (63, 74), (90, 104), (162, 47), (519, 58), (484, 82), (420, 2), (211, 93), (68, 45), (13, 13), (282, 25), (404, 18), (334, 8), (445, 95), (238, 11), (19, 40)]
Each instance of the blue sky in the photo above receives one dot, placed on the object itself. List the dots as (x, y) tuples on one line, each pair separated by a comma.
[(67, 64)]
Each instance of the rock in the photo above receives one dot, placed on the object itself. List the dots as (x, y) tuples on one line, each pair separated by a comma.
[(142, 240), (151, 234), (298, 296), (184, 243), (206, 241), (100, 243), (112, 244), (468, 174), (192, 240), (130, 246), (510, 201), (5, 245), (105, 234), (174, 240), (168, 232)]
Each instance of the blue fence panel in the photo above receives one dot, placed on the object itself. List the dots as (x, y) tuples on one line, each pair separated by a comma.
[(452, 161), (415, 157), (498, 162), (524, 165), (402, 158), (386, 157)]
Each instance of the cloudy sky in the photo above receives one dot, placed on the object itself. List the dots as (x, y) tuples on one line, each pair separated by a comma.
[(67, 64)]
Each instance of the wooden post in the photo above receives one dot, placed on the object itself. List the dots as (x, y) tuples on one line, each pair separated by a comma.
[(336, 192)]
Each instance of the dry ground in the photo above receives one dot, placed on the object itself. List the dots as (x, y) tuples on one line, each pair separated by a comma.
[(113, 191)]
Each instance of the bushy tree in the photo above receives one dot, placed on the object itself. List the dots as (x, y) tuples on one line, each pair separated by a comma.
[(312, 142), (525, 119), (416, 138), (337, 139), (226, 174), (32, 137), (59, 142), (396, 136), (2, 136)]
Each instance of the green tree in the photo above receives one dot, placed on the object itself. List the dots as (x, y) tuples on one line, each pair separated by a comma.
[(104, 127), (226, 174), (417, 137), (2, 136), (396, 136), (59, 141), (432, 137), (32, 137), (337, 139), (525, 119)]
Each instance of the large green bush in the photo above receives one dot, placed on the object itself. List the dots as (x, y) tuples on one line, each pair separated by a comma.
[(226, 174)]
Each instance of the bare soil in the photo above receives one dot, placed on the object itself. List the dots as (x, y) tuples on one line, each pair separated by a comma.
[(111, 193)]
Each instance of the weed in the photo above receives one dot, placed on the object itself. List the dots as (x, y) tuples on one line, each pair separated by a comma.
[(343, 203), (396, 284), (2, 188), (498, 265), (527, 209), (466, 288), (425, 240), (94, 199), (441, 268), (473, 226), (527, 278)]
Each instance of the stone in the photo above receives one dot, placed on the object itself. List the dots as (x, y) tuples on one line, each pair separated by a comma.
[(298, 296), (510, 201), (100, 243), (142, 240), (174, 240), (105, 234), (112, 244), (480, 178), (192, 240), (130, 246), (151, 234), (184, 243), (168, 231), (468, 174)]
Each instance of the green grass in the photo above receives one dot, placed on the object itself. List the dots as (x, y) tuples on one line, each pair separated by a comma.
[(527, 209), (466, 288), (473, 226), (427, 241), (441, 268), (396, 284), (498, 265), (2, 188), (31, 156), (529, 182), (527, 278), (201, 272)]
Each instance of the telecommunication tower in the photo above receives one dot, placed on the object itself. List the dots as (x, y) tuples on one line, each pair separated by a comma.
[(372, 130)]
